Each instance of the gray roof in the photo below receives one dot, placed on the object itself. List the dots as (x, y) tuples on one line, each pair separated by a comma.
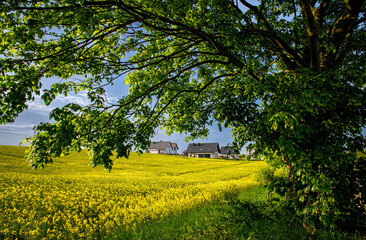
[(162, 145), (228, 150), (203, 148)]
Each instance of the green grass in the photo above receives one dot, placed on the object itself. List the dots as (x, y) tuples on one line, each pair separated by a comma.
[(249, 215)]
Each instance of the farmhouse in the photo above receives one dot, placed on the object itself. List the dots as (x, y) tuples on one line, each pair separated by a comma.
[(175, 148), (228, 152), (203, 150), (162, 147)]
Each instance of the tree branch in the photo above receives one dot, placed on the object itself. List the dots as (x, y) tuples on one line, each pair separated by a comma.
[(143, 16), (345, 23), (342, 30), (312, 28), (282, 49)]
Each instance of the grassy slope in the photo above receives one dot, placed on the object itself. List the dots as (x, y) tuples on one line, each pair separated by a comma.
[(249, 215), (68, 199), (72, 187)]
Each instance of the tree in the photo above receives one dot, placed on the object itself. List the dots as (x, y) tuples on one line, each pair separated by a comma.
[(287, 76)]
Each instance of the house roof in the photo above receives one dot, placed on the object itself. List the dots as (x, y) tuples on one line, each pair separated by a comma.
[(162, 145), (174, 145), (228, 150), (203, 148)]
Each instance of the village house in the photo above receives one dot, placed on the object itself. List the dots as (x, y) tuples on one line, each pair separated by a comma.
[(175, 148), (162, 147), (228, 152), (203, 150)]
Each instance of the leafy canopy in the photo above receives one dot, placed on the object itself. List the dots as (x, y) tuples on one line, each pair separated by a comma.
[(287, 76)]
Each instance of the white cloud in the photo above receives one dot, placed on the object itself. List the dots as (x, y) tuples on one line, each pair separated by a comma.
[(112, 99), (37, 112), (80, 98), (17, 128), (38, 106)]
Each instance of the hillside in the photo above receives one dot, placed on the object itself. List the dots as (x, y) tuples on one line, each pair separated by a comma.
[(69, 199)]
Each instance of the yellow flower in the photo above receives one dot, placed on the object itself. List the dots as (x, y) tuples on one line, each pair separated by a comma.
[(87, 201)]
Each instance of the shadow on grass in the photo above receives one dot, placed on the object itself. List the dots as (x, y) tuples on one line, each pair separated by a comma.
[(250, 215)]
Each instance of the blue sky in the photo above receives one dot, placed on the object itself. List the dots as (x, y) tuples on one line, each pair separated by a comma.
[(14, 133)]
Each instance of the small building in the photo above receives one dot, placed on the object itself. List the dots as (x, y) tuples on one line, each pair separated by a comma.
[(203, 150), (228, 152), (162, 147), (175, 148)]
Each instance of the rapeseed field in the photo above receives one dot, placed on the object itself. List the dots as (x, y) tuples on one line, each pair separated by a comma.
[(70, 200)]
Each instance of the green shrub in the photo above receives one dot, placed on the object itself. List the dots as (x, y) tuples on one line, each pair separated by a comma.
[(255, 214), (266, 175)]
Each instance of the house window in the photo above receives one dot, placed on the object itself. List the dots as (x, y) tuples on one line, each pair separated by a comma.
[(204, 155)]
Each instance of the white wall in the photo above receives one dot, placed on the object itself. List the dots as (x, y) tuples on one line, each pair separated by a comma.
[(153, 151), (168, 150), (212, 155)]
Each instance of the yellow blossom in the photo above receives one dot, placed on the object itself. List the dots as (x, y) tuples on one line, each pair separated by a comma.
[(69, 200)]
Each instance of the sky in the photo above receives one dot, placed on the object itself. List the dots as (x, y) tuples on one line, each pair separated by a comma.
[(14, 133), (37, 112)]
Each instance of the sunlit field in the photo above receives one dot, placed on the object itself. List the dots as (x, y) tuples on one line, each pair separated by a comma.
[(70, 200)]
